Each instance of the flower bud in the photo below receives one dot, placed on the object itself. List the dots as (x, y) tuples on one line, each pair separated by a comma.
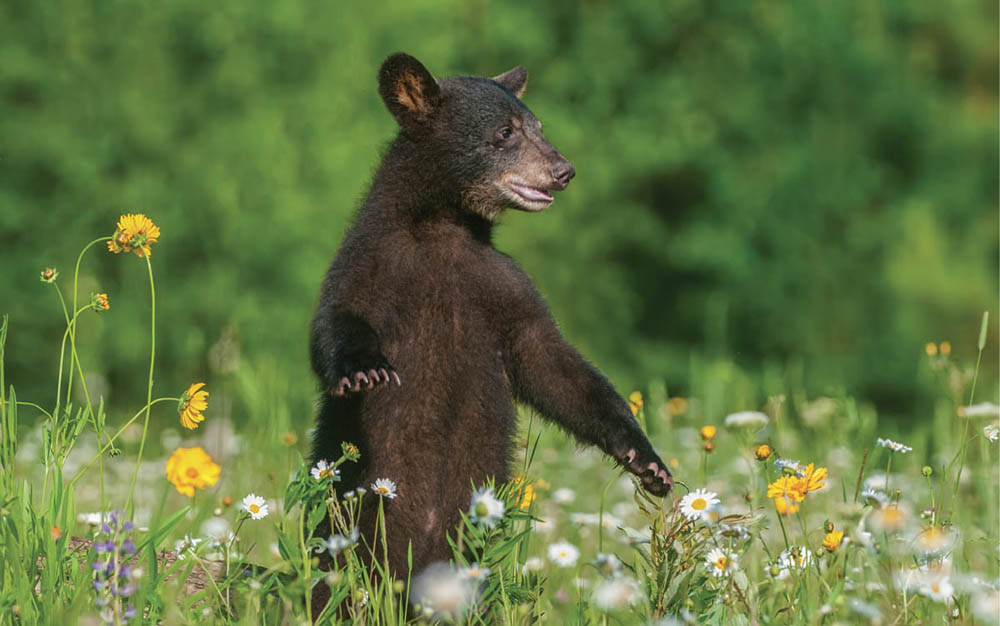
[(763, 452)]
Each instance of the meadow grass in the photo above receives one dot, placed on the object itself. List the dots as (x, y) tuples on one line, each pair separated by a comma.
[(789, 509)]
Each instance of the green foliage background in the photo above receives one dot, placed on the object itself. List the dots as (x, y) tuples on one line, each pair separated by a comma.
[(810, 184)]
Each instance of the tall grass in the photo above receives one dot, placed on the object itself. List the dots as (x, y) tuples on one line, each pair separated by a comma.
[(573, 542)]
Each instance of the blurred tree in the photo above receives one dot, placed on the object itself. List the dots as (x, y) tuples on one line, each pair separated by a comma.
[(810, 181)]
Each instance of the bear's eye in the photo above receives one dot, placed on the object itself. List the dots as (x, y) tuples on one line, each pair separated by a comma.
[(504, 133)]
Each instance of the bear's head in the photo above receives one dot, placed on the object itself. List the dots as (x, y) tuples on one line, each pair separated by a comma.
[(478, 133)]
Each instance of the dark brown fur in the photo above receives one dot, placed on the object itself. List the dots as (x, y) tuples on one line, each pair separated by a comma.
[(418, 291)]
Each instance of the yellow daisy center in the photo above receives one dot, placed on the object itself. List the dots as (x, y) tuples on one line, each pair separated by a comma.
[(720, 562), (192, 472), (254, 508), (381, 490), (325, 473), (699, 504)]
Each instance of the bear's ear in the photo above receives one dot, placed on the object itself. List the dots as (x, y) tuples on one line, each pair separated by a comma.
[(408, 89), (514, 80)]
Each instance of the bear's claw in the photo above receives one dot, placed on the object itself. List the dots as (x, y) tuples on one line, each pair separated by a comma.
[(653, 474), (365, 380)]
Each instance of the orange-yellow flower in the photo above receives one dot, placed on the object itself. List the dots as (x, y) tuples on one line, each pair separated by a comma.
[(833, 539), (134, 233), (708, 433), (784, 506), (528, 497), (790, 487), (763, 452), (190, 468), (677, 405), (100, 302), (814, 479), (192, 403), (635, 402)]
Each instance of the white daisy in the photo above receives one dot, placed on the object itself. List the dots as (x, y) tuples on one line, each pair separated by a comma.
[(563, 495), (384, 488), (791, 466), (895, 446), (721, 562), (256, 506), (563, 554), (336, 543), (938, 590), (361, 597), (475, 572), (746, 419), (796, 557), (875, 497), (324, 470), (485, 508), (617, 593), (983, 409), (698, 503), (991, 432), (443, 593), (186, 545), (534, 564)]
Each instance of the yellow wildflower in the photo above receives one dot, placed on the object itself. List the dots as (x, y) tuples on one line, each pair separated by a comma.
[(784, 506), (763, 452), (677, 405), (814, 479), (528, 497), (833, 539), (190, 468), (790, 487), (134, 233), (100, 302), (931, 349), (635, 402), (708, 433), (192, 403), (945, 347)]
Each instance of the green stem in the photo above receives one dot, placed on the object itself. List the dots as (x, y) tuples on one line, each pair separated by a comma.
[(112, 439), (965, 439), (76, 283), (149, 387)]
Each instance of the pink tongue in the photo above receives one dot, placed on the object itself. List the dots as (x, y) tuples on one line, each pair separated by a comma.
[(533, 194)]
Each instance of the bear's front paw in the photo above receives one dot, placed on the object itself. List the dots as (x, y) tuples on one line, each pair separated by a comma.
[(652, 472), (356, 375)]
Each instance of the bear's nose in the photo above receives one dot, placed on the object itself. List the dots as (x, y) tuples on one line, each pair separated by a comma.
[(563, 173)]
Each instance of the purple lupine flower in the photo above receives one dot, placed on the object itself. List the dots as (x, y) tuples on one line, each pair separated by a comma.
[(112, 572)]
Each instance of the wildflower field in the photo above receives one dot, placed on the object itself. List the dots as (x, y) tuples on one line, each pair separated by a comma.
[(789, 509)]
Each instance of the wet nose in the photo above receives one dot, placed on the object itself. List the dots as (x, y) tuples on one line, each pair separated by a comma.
[(562, 173)]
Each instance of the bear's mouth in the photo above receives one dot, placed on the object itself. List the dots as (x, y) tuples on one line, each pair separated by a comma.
[(533, 197)]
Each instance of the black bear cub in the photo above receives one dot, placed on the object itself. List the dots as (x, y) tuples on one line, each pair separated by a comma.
[(425, 335)]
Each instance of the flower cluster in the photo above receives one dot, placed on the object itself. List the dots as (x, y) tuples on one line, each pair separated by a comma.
[(134, 233), (114, 574), (190, 468)]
